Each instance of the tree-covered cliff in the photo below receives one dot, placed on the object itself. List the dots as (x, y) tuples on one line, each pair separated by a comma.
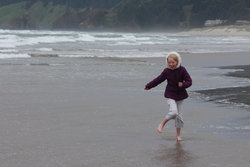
[(126, 14)]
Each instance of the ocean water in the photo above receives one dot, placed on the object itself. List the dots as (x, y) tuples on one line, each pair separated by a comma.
[(31, 43), (61, 48)]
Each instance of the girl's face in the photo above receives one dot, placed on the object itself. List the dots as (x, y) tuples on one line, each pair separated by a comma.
[(172, 64)]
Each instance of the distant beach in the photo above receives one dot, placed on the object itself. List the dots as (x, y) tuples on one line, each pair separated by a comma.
[(220, 30)]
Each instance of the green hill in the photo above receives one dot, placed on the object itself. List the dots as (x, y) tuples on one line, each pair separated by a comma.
[(118, 14)]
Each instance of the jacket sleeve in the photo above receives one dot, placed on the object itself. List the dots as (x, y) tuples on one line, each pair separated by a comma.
[(187, 79), (162, 77)]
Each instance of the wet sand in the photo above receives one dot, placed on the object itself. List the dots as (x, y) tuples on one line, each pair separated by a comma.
[(94, 112), (235, 95), (244, 71)]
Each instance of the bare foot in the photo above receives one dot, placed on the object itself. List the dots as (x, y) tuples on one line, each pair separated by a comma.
[(178, 138), (160, 128)]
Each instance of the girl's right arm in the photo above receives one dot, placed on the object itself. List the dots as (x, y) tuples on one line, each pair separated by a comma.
[(162, 77)]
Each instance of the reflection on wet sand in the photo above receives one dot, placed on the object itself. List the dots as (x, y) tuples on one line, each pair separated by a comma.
[(176, 156)]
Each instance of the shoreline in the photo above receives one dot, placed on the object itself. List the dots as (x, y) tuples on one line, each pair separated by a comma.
[(234, 30)]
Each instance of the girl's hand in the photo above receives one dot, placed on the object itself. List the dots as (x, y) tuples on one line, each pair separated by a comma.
[(146, 89), (180, 84)]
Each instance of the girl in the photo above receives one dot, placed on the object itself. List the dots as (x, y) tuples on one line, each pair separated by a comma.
[(178, 80)]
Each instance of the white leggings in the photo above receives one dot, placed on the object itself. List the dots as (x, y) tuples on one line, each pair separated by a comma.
[(175, 108)]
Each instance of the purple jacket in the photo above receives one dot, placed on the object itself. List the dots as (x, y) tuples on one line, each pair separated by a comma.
[(173, 91)]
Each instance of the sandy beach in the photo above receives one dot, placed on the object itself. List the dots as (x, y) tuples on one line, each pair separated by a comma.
[(233, 30), (60, 112)]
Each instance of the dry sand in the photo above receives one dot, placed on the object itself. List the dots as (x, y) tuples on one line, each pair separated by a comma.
[(241, 30)]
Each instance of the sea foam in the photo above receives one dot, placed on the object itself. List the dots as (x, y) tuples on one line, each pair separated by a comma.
[(115, 44)]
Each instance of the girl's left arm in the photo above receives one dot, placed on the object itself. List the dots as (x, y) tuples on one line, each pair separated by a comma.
[(187, 79)]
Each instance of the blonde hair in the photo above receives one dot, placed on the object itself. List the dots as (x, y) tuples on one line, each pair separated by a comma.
[(176, 56), (173, 56)]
